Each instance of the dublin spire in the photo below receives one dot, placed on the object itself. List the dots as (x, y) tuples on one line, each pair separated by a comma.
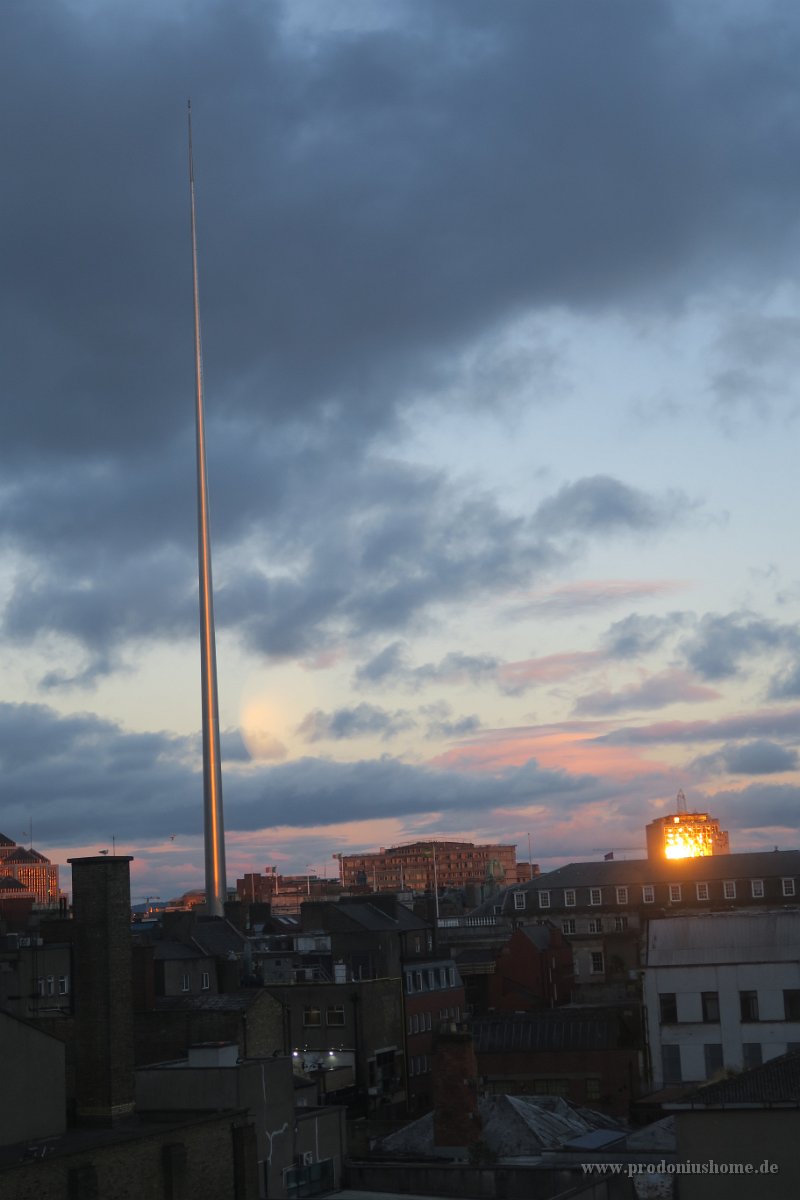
[(212, 774)]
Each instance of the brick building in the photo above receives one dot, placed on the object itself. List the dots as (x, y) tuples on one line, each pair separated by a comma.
[(426, 866)]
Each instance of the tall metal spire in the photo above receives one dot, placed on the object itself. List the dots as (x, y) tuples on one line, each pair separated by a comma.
[(216, 891)]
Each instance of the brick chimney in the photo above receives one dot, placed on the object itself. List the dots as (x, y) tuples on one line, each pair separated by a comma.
[(104, 1061), (456, 1118)]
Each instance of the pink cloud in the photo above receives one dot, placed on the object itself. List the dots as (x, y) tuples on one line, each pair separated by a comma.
[(590, 594), (551, 668)]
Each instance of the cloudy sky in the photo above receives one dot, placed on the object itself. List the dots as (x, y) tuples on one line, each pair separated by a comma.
[(502, 337)]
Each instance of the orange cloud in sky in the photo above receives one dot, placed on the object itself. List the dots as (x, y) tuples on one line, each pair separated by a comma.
[(574, 749)]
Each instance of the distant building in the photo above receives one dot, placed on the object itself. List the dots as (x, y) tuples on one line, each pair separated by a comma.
[(31, 869), (425, 866)]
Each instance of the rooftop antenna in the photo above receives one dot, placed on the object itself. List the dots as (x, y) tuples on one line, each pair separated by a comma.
[(681, 801), (216, 883)]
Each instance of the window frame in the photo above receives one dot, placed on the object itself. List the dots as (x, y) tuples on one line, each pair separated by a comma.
[(570, 898), (729, 889), (648, 893), (622, 894), (598, 893), (757, 889), (701, 888), (519, 896), (675, 893), (788, 886), (544, 898)]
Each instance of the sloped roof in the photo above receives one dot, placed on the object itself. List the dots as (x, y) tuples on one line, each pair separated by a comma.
[(370, 916), (6, 841), (559, 1029), (9, 884), (728, 937), (165, 950), (512, 1126), (217, 936), (774, 1083), (762, 864)]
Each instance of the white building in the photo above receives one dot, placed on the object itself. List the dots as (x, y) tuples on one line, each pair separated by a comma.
[(721, 991)]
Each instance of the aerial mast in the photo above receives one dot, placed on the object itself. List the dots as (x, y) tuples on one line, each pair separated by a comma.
[(216, 884)]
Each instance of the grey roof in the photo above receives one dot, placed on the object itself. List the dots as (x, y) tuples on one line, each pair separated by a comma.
[(9, 884), (223, 1002), (761, 864), (512, 1126), (561, 1029), (369, 916), (168, 950), (728, 937), (776, 1082), (217, 936)]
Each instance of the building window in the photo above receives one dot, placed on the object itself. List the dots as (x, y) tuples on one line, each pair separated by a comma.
[(598, 966), (568, 926), (409, 982), (729, 889), (791, 1004), (184, 983), (648, 894), (702, 891), (620, 924), (569, 897), (63, 985), (787, 886), (451, 976), (671, 1064), (748, 1006), (674, 893), (418, 981), (713, 1058), (40, 986), (622, 895), (334, 1014), (595, 895), (497, 909), (205, 981), (431, 982), (415, 1023), (751, 1055), (592, 1089), (710, 1003), (595, 925), (544, 900), (757, 889), (519, 901), (668, 1008), (427, 1016), (312, 1015)]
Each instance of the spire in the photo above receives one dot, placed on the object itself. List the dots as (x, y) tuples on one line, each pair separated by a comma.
[(216, 889)]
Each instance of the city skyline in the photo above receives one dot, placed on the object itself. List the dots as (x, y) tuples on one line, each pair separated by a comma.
[(500, 322)]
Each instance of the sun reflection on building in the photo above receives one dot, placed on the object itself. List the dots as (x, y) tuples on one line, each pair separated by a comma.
[(685, 835)]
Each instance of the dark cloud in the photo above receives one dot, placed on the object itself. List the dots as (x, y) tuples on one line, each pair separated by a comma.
[(355, 241), (758, 807), (364, 720), (761, 757), (658, 691), (636, 635), (83, 779), (721, 643), (604, 505)]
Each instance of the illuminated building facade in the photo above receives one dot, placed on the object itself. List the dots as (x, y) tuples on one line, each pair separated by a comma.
[(685, 835), (423, 866), (35, 872)]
